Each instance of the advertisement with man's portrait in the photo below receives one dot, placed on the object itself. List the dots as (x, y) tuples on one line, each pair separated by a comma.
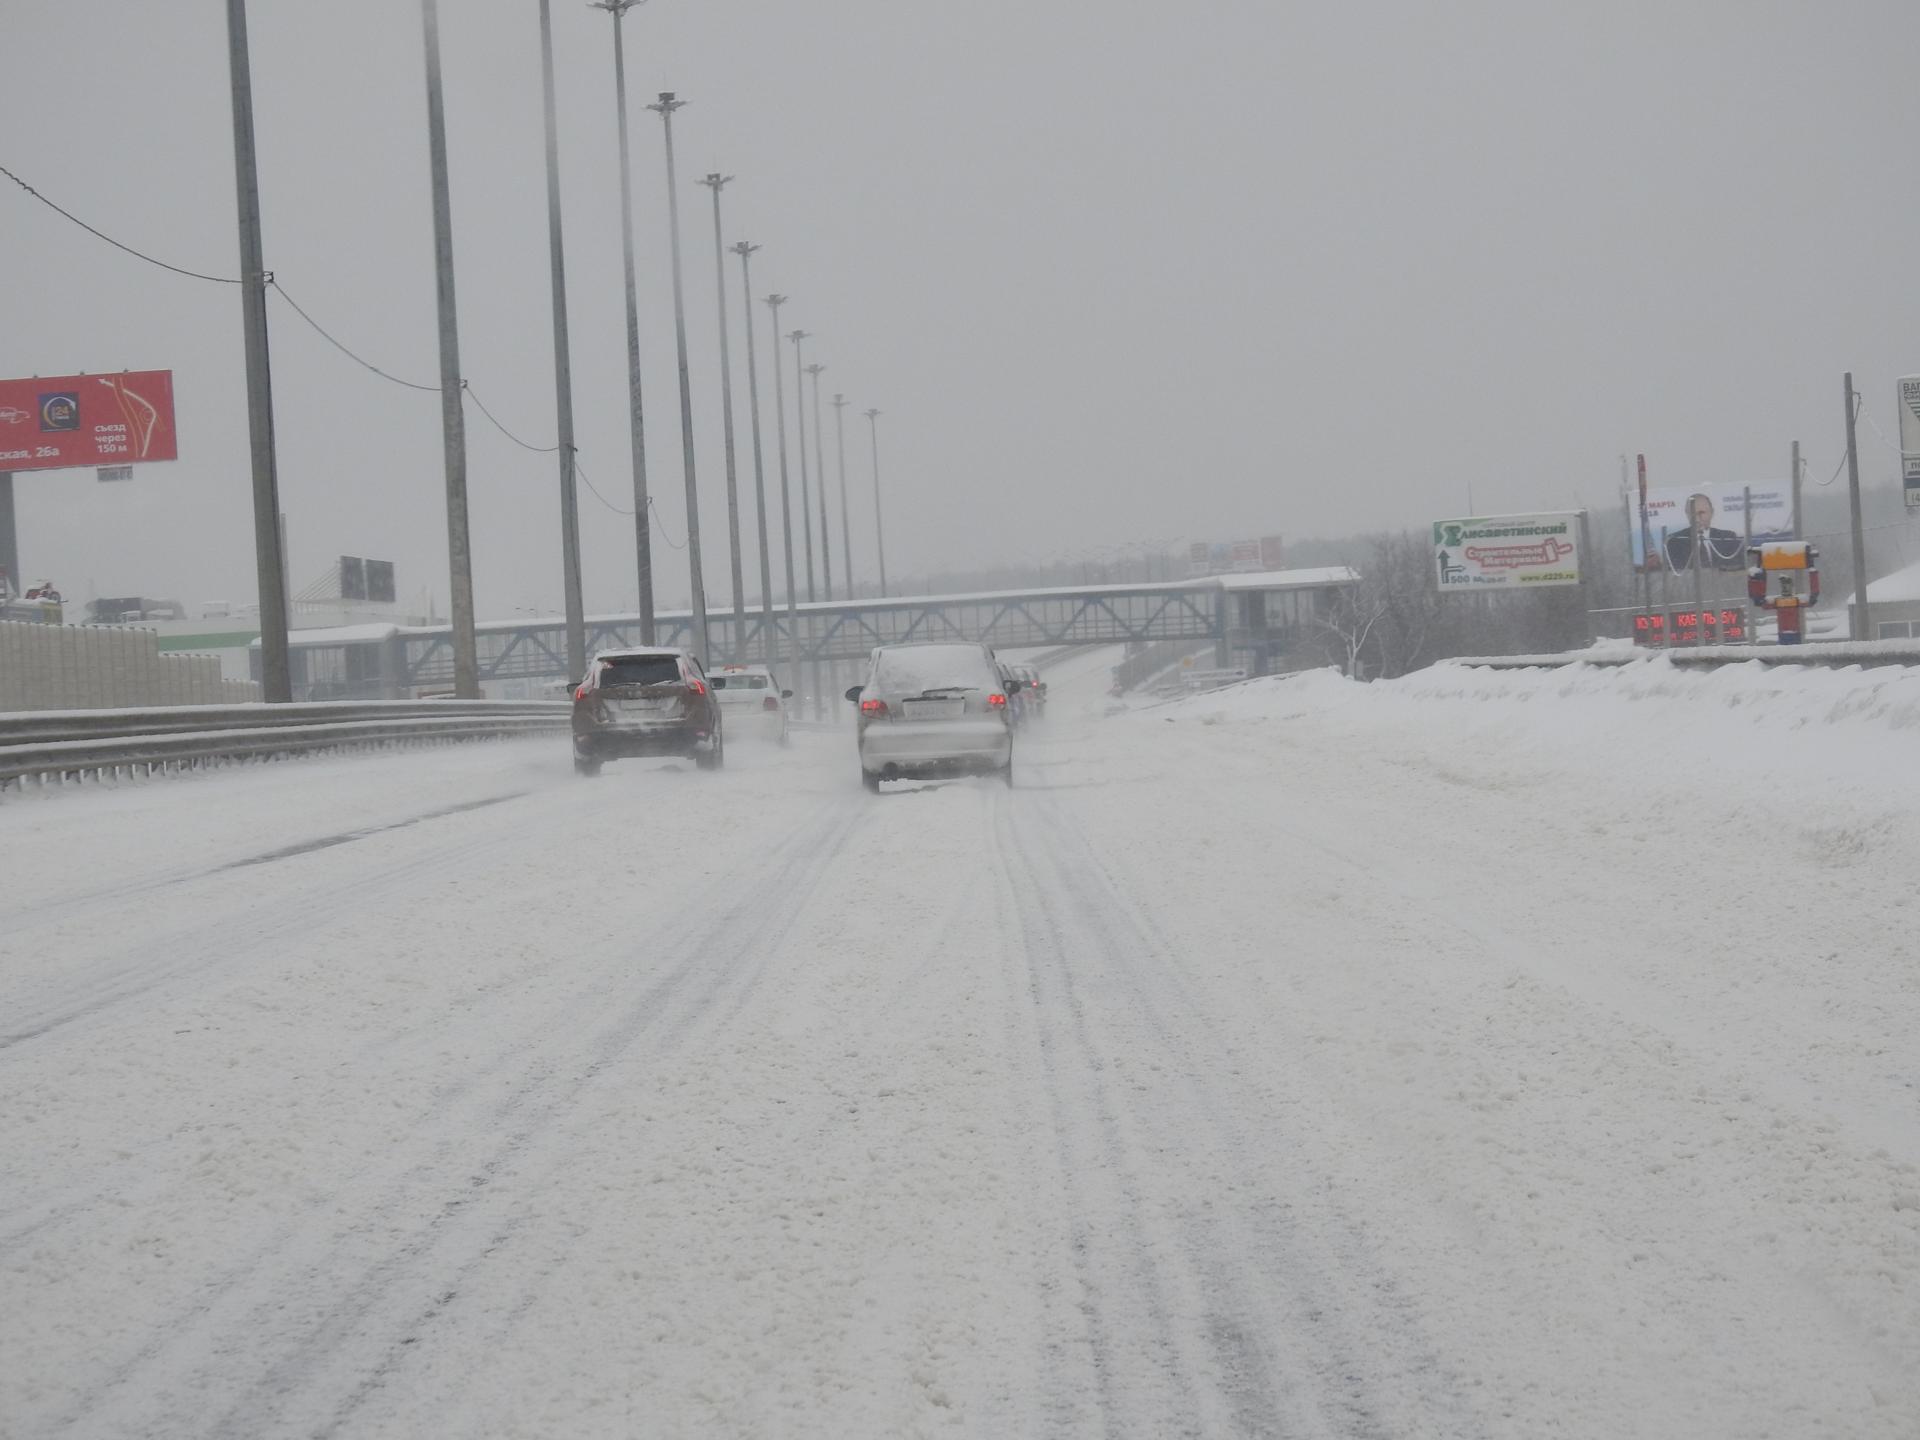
[(1707, 525)]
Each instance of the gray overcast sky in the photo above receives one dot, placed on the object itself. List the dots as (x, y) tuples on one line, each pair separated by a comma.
[(1113, 271)]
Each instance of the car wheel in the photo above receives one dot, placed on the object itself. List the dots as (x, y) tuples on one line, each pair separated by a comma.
[(871, 781), (586, 767)]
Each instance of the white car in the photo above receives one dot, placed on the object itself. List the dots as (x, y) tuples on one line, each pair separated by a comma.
[(752, 701), (929, 710)]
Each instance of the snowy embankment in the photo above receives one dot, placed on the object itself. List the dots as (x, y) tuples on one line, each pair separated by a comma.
[(1484, 1054), (1618, 971)]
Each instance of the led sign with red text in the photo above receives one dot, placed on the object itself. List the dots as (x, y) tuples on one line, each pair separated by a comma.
[(1682, 627)]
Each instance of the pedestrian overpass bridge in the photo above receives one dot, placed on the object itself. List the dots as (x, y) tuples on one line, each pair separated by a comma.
[(1252, 620)]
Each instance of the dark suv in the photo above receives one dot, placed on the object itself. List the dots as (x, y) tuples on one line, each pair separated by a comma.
[(645, 702)]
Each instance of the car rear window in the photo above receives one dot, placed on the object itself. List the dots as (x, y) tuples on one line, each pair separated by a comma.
[(640, 670), (909, 671), (739, 682)]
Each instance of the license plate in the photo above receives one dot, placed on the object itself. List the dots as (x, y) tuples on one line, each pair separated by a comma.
[(641, 707), (944, 709)]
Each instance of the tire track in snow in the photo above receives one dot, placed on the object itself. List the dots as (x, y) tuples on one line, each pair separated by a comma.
[(443, 1210), (1269, 1344)]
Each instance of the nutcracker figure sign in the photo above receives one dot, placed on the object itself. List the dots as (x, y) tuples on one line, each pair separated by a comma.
[(1784, 576)]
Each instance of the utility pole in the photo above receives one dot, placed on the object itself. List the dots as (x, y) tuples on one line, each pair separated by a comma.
[(562, 371), (715, 182), (879, 525), (745, 252), (1862, 612), (774, 302), (800, 414), (820, 483), (846, 527), (665, 110), (636, 417), (276, 681), (466, 667)]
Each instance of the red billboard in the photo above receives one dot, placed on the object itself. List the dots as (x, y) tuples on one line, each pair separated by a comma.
[(59, 422)]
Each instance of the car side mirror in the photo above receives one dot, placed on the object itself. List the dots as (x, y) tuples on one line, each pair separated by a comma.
[(786, 694), (853, 691)]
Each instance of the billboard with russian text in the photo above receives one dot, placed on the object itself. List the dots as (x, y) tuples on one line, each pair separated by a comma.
[(1507, 551), (60, 422)]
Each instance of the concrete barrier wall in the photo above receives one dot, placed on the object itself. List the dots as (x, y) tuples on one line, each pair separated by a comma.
[(81, 667)]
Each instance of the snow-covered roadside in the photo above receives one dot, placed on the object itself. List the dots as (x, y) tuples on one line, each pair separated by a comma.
[(1601, 985)]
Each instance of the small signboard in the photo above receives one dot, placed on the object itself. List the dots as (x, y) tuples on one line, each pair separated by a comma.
[(1507, 551), (65, 422), (1910, 439)]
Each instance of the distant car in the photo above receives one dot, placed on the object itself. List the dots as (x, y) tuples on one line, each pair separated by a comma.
[(1033, 690), (646, 702), (752, 701), (933, 710)]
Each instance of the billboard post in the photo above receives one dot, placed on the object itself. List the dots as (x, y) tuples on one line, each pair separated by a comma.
[(9, 536)]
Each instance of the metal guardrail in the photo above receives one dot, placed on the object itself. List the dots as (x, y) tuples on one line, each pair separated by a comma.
[(73, 744), (1829, 654)]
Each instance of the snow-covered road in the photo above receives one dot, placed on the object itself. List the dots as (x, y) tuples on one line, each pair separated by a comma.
[(1481, 1055)]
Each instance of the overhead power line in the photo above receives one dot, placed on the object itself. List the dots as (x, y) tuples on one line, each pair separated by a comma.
[(117, 244)]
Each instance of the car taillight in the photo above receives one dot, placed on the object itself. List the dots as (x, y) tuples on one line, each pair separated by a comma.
[(581, 693), (769, 703), (997, 701), (873, 707), (699, 687)]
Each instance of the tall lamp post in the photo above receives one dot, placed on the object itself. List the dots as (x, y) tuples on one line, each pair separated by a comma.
[(800, 415), (453, 430), (846, 527), (715, 182), (745, 252), (636, 417), (879, 526), (774, 302), (275, 676), (562, 370), (820, 478), (664, 109)]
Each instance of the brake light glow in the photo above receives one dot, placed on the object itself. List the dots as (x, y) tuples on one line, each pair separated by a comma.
[(873, 707), (699, 687), (581, 693), (997, 701)]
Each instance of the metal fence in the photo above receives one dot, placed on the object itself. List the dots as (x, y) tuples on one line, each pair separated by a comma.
[(80, 667)]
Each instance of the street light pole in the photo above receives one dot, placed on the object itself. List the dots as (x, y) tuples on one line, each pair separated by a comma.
[(800, 414), (695, 579), (276, 681), (715, 182), (820, 476), (774, 302), (562, 371), (846, 526), (879, 526), (636, 418), (466, 668), (745, 252)]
